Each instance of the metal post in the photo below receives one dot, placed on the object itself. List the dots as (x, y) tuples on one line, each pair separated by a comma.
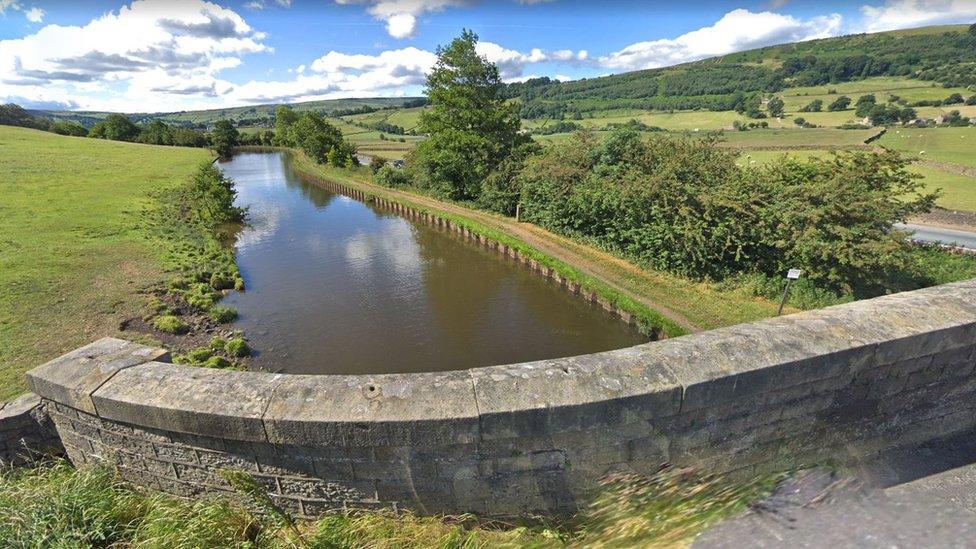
[(786, 293), (792, 275)]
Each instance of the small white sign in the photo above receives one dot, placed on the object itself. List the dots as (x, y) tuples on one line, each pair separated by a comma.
[(793, 274)]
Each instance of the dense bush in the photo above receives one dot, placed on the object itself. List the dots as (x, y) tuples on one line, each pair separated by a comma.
[(683, 205), (311, 133), (212, 196), (116, 127), (388, 176), (68, 128)]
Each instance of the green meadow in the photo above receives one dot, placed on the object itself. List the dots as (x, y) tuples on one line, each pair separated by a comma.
[(955, 145), (958, 191), (72, 254)]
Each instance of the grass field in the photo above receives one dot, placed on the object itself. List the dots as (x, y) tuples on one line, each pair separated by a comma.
[(809, 138), (883, 87), (72, 257), (958, 191), (956, 145)]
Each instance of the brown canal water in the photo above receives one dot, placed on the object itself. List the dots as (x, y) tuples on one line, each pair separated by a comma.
[(337, 286)]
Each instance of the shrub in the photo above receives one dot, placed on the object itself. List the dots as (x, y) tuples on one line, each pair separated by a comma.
[(170, 324), (683, 205), (376, 163), (237, 347), (389, 176), (223, 314)]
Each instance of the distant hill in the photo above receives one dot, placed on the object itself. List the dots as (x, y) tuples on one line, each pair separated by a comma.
[(255, 115), (945, 54)]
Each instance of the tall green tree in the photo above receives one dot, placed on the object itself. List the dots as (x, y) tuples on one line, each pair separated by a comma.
[(116, 127), (315, 136), (285, 116), (472, 128), (776, 107), (224, 138)]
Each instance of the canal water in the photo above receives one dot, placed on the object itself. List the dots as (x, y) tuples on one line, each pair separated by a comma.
[(337, 286)]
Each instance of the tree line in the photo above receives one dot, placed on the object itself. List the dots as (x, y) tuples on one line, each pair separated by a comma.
[(677, 204), (308, 131)]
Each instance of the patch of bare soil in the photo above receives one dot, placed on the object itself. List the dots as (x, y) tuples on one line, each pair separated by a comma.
[(948, 219), (202, 328)]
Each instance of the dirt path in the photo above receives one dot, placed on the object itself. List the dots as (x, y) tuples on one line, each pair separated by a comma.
[(588, 260)]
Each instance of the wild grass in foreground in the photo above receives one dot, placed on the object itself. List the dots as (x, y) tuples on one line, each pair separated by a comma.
[(55, 505)]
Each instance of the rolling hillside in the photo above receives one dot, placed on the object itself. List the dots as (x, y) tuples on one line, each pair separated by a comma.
[(934, 54), (256, 115)]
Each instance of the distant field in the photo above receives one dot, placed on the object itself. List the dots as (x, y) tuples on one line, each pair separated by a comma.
[(958, 191), (956, 145), (405, 118), (71, 254), (681, 120), (883, 87), (813, 138)]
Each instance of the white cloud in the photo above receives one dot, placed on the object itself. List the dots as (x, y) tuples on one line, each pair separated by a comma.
[(153, 52), (401, 25), (902, 14), (337, 74), (261, 4), (34, 15), (737, 30), (400, 16), (511, 63), (389, 73)]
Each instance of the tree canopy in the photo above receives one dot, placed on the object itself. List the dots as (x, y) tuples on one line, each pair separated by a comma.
[(471, 127)]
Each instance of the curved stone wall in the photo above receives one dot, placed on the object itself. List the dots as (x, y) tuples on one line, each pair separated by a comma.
[(841, 382)]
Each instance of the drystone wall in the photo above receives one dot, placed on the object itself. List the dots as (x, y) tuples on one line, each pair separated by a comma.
[(26, 432), (842, 383)]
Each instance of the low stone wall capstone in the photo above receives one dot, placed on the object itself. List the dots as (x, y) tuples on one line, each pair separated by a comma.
[(843, 383), (26, 432)]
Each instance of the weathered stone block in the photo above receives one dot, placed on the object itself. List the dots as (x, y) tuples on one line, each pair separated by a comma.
[(200, 401), (71, 378), (383, 410)]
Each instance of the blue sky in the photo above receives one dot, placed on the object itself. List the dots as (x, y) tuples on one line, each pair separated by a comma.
[(162, 55)]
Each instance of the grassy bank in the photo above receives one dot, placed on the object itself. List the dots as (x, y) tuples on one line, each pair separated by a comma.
[(55, 505), (74, 252)]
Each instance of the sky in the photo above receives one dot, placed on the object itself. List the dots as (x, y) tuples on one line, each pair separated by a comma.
[(170, 55)]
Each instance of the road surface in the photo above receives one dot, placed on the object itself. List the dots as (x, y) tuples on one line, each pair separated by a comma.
[(938, 235)]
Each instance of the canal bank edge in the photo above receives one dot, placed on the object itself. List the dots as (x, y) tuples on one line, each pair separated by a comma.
[(651, 322), (841, 383)]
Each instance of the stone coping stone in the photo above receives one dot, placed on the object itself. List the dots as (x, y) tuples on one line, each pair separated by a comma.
[(71, 378), (186, 399), (20, 406), (605, 389), (422, 409)]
